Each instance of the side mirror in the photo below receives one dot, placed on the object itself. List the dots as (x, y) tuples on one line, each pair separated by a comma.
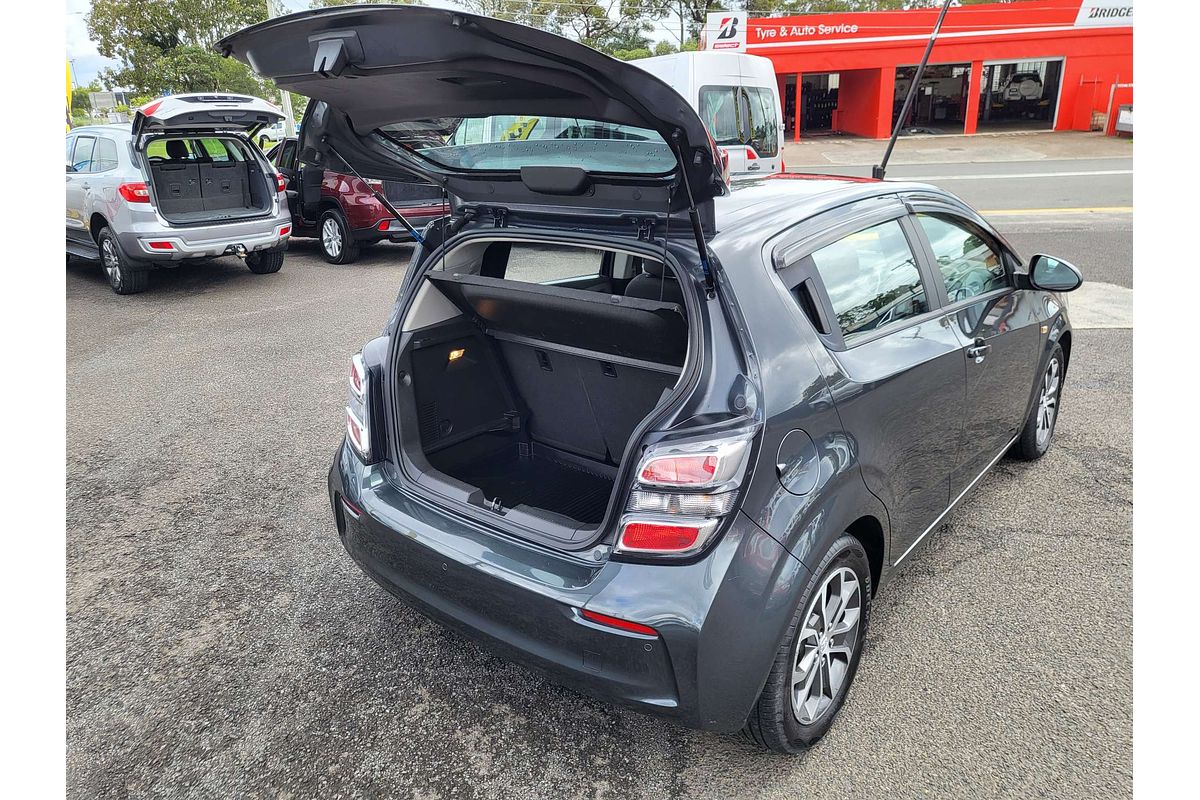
[(1053, 274), (70, 168)]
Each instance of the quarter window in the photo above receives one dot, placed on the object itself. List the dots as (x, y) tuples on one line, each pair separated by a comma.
[(968, 264), (872, 279), (105, 157)]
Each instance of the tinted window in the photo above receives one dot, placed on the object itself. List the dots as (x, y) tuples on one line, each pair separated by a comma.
[(509, 142), (284, 155), (105, 155), (721, 112), (969, 265), (82, 159), (872, 279), (546, 263), (763, 124)]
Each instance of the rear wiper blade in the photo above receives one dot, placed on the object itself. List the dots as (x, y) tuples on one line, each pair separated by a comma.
[(417, 237)]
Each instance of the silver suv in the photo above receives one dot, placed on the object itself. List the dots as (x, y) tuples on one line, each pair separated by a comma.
[(185, 182)]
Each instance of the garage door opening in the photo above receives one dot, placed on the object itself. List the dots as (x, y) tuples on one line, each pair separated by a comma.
[(1019, 95), (941, 102), (819, 98)]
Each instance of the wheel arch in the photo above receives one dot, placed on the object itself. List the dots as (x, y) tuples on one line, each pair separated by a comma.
[(96, 223), (868, 530), (1065, 341)]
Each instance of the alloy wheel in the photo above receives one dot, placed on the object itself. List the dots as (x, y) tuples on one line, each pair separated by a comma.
[(1048, 402), (826, 645), (331, 237), (112, 265)]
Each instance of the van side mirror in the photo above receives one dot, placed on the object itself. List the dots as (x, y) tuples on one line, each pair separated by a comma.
[(70, 168), (1053, 274)]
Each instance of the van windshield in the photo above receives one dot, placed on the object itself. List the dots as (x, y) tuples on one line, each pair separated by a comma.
[(509, 142)]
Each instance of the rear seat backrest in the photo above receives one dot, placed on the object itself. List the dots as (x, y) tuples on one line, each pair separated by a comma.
[(224, 184), (176, 186)]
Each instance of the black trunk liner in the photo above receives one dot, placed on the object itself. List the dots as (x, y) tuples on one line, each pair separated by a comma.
[(538, 481)]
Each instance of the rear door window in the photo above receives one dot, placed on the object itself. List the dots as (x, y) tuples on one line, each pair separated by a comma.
[(85, 147), (872, 280), (968, 263)]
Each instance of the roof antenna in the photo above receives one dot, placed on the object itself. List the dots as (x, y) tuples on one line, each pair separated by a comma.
[(878, 170)]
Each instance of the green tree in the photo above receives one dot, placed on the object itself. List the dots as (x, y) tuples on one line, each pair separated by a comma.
[(166, 45), (328, 3), (80, 100)]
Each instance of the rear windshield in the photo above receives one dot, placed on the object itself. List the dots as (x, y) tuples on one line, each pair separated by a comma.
[(508, 143)]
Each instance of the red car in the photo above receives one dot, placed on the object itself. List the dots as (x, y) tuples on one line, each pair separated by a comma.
[(342, 212)]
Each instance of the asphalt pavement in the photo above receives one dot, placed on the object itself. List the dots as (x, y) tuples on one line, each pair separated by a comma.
[(221, 643)]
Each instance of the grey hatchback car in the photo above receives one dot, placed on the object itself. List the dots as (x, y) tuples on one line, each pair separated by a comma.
[(184, 182), (659, 438)]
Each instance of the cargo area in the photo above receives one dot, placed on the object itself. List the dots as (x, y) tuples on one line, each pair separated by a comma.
[(210, 178), (522, 397)]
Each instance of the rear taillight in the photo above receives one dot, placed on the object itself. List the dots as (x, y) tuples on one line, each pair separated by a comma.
[(358, 409), (359, 434), (782, 165), (684, 491), (134, 192), (700, 465), (358, 378), (376, 186), (280, 182)]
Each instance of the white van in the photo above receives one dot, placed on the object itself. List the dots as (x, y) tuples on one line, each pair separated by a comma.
[(737, 97)]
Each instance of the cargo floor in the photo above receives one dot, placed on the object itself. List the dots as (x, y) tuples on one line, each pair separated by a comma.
[(538, 481)]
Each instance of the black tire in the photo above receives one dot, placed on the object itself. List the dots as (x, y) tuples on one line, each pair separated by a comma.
[(265, 263), (123, 276), (340, 247), (1031, 446), (773, 723)]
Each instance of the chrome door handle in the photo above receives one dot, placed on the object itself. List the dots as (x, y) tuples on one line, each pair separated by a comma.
[(978, 351), (753, 167), (85, 185)]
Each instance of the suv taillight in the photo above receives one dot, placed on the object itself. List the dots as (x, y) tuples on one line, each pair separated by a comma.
[(358, 409), (280, 182), (700, 479), (134, 192)]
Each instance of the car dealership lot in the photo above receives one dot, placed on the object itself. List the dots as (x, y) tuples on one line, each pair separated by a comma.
[(221, 643)]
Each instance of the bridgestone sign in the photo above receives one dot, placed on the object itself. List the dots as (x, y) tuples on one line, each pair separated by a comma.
[(1104, 13)]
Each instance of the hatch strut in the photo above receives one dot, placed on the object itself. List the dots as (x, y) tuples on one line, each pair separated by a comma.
[(694, 215), (378, 194)]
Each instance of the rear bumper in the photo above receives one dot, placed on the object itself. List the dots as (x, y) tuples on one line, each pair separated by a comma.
[(266, 235), (719, 619)]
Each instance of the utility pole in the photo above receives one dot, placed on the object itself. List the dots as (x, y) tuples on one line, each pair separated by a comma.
[(275, 8), (880, 169)]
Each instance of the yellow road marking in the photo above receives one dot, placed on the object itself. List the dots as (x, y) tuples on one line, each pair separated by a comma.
[(1014, 212)]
